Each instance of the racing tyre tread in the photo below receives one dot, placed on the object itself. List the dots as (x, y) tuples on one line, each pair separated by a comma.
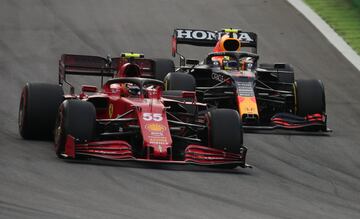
[(225, 130), (180, 81), (76, 118), (38, 108), (310, 97), (162, 67)]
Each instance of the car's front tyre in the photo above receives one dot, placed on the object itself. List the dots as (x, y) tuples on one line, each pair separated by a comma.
[(225, 130), (76, 118)]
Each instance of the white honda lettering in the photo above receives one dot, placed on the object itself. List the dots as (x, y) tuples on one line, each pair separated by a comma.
[(245, 37), (211, 36), (200, 35), (184, 34)]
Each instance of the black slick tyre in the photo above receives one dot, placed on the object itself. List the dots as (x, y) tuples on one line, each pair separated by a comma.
[(76, 118), (309, 97), (225, 130), (179, 81), (162, 67), (38, 108)]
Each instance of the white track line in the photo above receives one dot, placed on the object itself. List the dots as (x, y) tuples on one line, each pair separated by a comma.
[(327, 31)]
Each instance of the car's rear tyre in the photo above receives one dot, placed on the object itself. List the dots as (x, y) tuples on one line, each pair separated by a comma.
[(162, 67), (76, 118), (38, 108), (225, 130), (179, 81), (309, 97)]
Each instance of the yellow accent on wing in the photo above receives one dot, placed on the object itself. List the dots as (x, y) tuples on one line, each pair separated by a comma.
[(230, 30), (132, 55)]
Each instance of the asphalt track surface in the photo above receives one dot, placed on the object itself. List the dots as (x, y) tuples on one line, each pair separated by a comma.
[(294, 176)]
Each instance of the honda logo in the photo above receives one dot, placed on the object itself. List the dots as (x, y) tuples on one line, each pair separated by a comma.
[(209, 35)]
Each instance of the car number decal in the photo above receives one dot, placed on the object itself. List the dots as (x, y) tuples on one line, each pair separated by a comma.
[(157, 117)]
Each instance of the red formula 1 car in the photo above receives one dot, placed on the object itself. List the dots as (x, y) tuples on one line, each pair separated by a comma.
[(130, 118)]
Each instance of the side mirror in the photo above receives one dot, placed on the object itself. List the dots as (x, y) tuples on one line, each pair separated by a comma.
[(192, 62)]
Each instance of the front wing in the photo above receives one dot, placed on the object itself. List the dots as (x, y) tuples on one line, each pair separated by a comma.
[(121, 150), (313, 122)]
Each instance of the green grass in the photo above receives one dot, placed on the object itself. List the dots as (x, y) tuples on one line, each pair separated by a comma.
[(343, 16)]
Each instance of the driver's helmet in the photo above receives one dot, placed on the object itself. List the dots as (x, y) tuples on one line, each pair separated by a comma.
[(245, 63), (133, 89), (224, 44), (229, 63), (227, 43), (129, 89)]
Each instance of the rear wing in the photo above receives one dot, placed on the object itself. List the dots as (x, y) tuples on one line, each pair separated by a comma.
[(70, 64), (208, 38), (84, 65)]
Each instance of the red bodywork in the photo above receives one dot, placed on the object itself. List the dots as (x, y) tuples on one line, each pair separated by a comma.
[(157, 140), (146, 112)]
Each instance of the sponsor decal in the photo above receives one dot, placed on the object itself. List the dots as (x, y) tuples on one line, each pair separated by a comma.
[(209, 35), (245, 89), (217, 77), (158, 140), (247, 105), (155, 127)]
